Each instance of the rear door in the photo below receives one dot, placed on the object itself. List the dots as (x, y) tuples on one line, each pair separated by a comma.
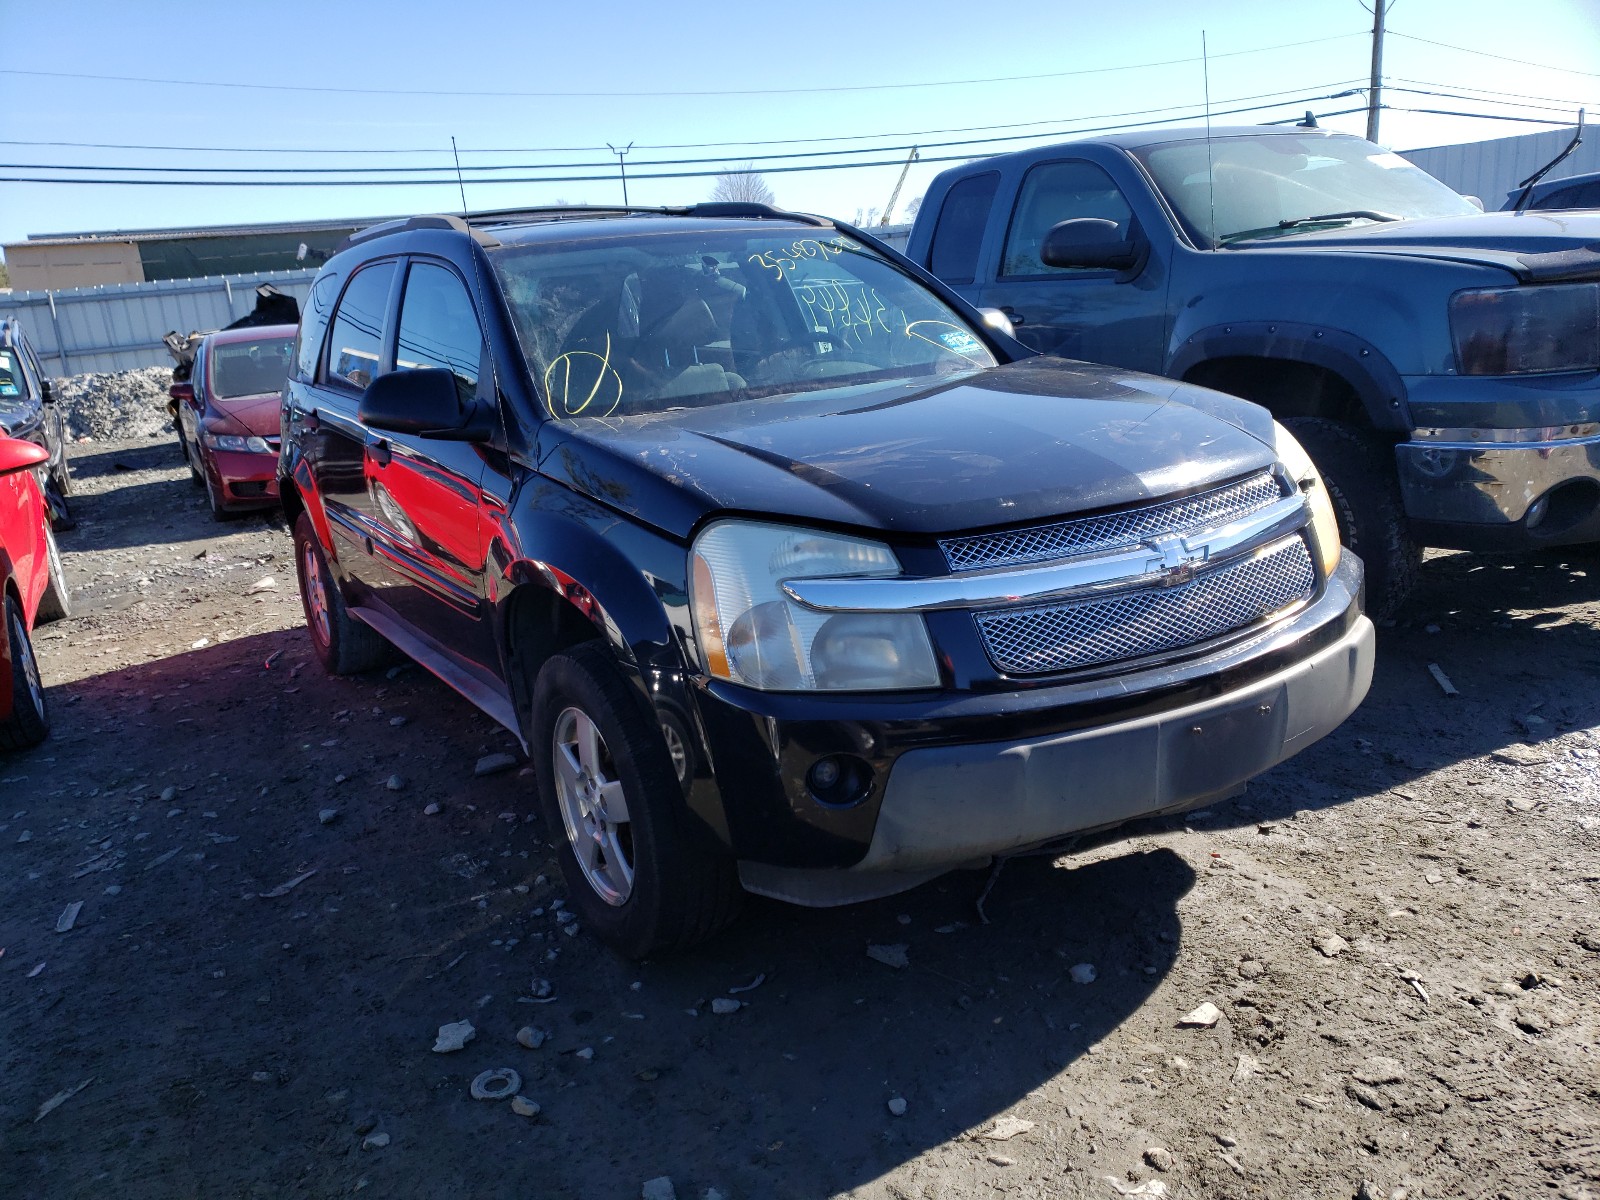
[(354, 357), (1076, 312), (424, 493)]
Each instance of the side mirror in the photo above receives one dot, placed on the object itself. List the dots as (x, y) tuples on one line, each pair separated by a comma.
[(181, 392), (994, 318), (1475, 201), (18, 455), (1090, 242), (47, 391), (425, 402)]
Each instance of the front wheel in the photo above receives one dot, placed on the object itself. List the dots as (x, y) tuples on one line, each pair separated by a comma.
[(56, 603), (29, 721), (642, 874), (1358, 469)]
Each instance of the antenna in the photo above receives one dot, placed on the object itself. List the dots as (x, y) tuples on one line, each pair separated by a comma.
[(1211, 166), (460, 183)]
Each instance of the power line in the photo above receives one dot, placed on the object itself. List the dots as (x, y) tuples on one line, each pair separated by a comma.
[(799, 141), (1411, 37), (186, 174), (1467, 87), (659, 162), (861, 87), (1444, 95)]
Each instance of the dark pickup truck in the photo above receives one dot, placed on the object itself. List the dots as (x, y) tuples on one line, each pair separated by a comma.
[(1439, 363)]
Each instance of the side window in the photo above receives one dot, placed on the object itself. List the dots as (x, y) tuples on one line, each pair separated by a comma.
[(953, 256), (356, 347), (314, 324), (1052, 193), (438, 326)]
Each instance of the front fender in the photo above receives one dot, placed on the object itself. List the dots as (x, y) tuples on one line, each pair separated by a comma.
[(1359, 363)]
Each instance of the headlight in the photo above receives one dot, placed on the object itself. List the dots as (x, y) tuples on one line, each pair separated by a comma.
[(229, 441), (750, 632), (1521, 330), (1324, 524)]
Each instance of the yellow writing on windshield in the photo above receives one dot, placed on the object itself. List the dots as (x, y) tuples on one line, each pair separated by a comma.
[(567, 377)]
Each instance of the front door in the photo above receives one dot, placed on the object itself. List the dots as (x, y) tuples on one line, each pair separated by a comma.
[(1074, 312)]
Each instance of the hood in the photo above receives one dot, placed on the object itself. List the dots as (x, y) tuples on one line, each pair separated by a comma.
[(258, 414), (1536, 247), (1020, 443)]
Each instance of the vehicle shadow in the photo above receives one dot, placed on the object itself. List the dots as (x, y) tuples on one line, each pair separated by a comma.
[(264, 982)]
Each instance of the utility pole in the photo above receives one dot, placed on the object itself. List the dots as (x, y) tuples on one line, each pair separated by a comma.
[(898, 184), (622, 166), (1374, 92)]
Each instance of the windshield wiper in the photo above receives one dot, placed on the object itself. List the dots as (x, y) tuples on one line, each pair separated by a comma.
[(1371, 214)]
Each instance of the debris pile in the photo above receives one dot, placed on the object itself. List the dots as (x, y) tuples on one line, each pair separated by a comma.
[(104, 405)]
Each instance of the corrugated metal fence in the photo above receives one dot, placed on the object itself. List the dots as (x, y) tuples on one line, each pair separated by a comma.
[(118, 326)]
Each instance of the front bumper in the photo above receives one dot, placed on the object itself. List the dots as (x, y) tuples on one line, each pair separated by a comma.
[(247, 479), (966, 776), (1503, 463)]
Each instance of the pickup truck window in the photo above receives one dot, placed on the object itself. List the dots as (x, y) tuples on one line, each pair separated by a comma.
[(953, 256), (645, 323), (1275, 185), (358, 327), (1055, 192), (314, 324)]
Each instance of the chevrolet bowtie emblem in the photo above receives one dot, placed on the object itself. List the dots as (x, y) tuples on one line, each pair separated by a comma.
[(1177, 560)]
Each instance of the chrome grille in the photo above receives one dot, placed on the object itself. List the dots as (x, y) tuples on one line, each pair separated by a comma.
[(1092, 535), (1086, 633)]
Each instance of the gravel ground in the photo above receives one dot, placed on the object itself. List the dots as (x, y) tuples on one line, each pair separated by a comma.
[(1398, 931)]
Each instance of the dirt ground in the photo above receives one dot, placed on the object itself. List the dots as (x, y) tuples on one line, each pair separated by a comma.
[(1399, 929)]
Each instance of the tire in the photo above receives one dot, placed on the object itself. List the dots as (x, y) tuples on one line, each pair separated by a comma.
[(29, 721), (652, 882), (56, 603), (1358, 469), (191, 455), (343, 644), (214, 501), (63, 477)]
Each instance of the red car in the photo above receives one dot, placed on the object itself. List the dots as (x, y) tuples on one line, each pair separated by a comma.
[(33, 590), (228, 416)]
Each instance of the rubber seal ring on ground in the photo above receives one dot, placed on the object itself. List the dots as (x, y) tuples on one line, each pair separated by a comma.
[(496, 1084)]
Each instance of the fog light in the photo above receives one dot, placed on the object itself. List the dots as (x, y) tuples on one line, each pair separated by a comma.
[(839, 780)]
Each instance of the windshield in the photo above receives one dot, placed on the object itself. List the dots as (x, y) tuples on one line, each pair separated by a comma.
[(640, 322), (1275, 184), (11, 380), (250, 368)]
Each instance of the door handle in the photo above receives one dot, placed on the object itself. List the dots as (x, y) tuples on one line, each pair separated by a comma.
[(378, 449), (1013, 315)]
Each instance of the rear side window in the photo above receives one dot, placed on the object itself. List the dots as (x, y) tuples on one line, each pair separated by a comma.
[(1585, 195), (356, 345), (314, 324), (438, 326), (953, 257), (1052, 193)]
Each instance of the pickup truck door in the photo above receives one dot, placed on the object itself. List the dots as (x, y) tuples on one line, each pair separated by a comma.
[(1102, 316)]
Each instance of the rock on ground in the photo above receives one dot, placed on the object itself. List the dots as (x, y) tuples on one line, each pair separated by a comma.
[(116, 404)]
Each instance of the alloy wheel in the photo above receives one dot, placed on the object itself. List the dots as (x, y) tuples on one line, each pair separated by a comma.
[(594, 807), (316, 593)]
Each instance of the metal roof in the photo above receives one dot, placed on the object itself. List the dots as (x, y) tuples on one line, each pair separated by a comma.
[(210, 231)]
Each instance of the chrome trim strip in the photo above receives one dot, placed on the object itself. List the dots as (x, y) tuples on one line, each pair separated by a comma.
[(1155, 563), (1464, 439)]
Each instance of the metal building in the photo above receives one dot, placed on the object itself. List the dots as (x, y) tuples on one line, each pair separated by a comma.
[(1491, 170)]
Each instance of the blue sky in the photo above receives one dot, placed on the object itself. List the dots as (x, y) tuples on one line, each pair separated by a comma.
[(803, 73)]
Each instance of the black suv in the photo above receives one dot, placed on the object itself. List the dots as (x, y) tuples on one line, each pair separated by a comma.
[(28, 410), (790, 571)]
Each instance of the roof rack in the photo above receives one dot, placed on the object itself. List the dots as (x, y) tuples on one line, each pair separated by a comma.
[(474, 223)]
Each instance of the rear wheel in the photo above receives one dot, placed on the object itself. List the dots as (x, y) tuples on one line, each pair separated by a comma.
[(1358, 469), (29, 721), (56, 602), (642, 874), (344, 644)]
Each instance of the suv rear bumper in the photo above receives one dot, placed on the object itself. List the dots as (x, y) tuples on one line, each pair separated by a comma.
[(1023, 768)]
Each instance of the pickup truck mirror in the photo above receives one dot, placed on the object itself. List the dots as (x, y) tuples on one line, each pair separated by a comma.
[(1088, 242), (47, 391), (426, 402)]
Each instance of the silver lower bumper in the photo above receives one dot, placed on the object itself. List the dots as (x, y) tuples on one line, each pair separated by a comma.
[(1490, 477)]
